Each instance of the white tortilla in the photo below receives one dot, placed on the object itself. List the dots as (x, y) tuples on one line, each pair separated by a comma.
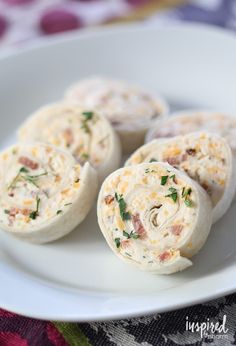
[(130, 109), (206, 158), (160, 234), (45, 193), (87, 135)]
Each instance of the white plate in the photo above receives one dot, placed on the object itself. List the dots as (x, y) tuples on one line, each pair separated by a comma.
[(78, 278)]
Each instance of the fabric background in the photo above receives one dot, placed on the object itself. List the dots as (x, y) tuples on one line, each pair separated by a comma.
[(23, 21)]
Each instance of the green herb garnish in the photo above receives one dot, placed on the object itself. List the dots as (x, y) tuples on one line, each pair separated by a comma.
[(7, 211), (188, 202), (172, 177), (87, 117), (147, 170), (23, 174), (85, 156), (33, 215), (185, 194), (24, 170), (33, 178), (125, 215), (132, 235), (164, 179), (173, 195), (117, 241), (59, 212), (66, 205), (153, 160)]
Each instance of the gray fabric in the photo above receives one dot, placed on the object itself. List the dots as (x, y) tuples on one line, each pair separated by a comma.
[(167, 329)]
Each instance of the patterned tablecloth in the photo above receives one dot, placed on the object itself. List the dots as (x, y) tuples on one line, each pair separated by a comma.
[(25, 20)]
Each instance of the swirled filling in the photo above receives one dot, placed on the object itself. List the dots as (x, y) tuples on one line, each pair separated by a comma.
[(85, 134), (147, 216), (121, 103), (38, 183), (204, 157), (187, 122)]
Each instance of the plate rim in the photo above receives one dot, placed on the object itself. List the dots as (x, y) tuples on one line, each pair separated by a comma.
[(26, 279)]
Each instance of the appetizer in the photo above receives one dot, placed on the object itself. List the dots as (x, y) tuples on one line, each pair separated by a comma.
[(206, 158), (154, 216), (184, 122), (130, 109), (45, 193), (87, 135)]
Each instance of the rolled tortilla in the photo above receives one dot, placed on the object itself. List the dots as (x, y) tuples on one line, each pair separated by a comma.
[(130, 109), (155, 226), (206, 158), (45, 193), (184, 122), (86, 134)]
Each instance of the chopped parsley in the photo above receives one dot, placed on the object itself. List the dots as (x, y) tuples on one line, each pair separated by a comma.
[(24, 170), (185, 194), (66, 205), (128, 254), (87, 116), (85, 156), (152, 160), (147, 170), (7, 211), (33, 215), (172, 177), (132, 235), (125, 215), (188, 202), (117, 241), (59, 212), (164, 179), (173, 195)]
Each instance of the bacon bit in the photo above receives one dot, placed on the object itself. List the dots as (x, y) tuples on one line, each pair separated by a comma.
[(69, 138), (184, 157), (191, 151), (109, 199), (206, 187), (28, 163), (176, 229), (173, 160), (125, 244), (138, 226), (13, 212), (164, 256)]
